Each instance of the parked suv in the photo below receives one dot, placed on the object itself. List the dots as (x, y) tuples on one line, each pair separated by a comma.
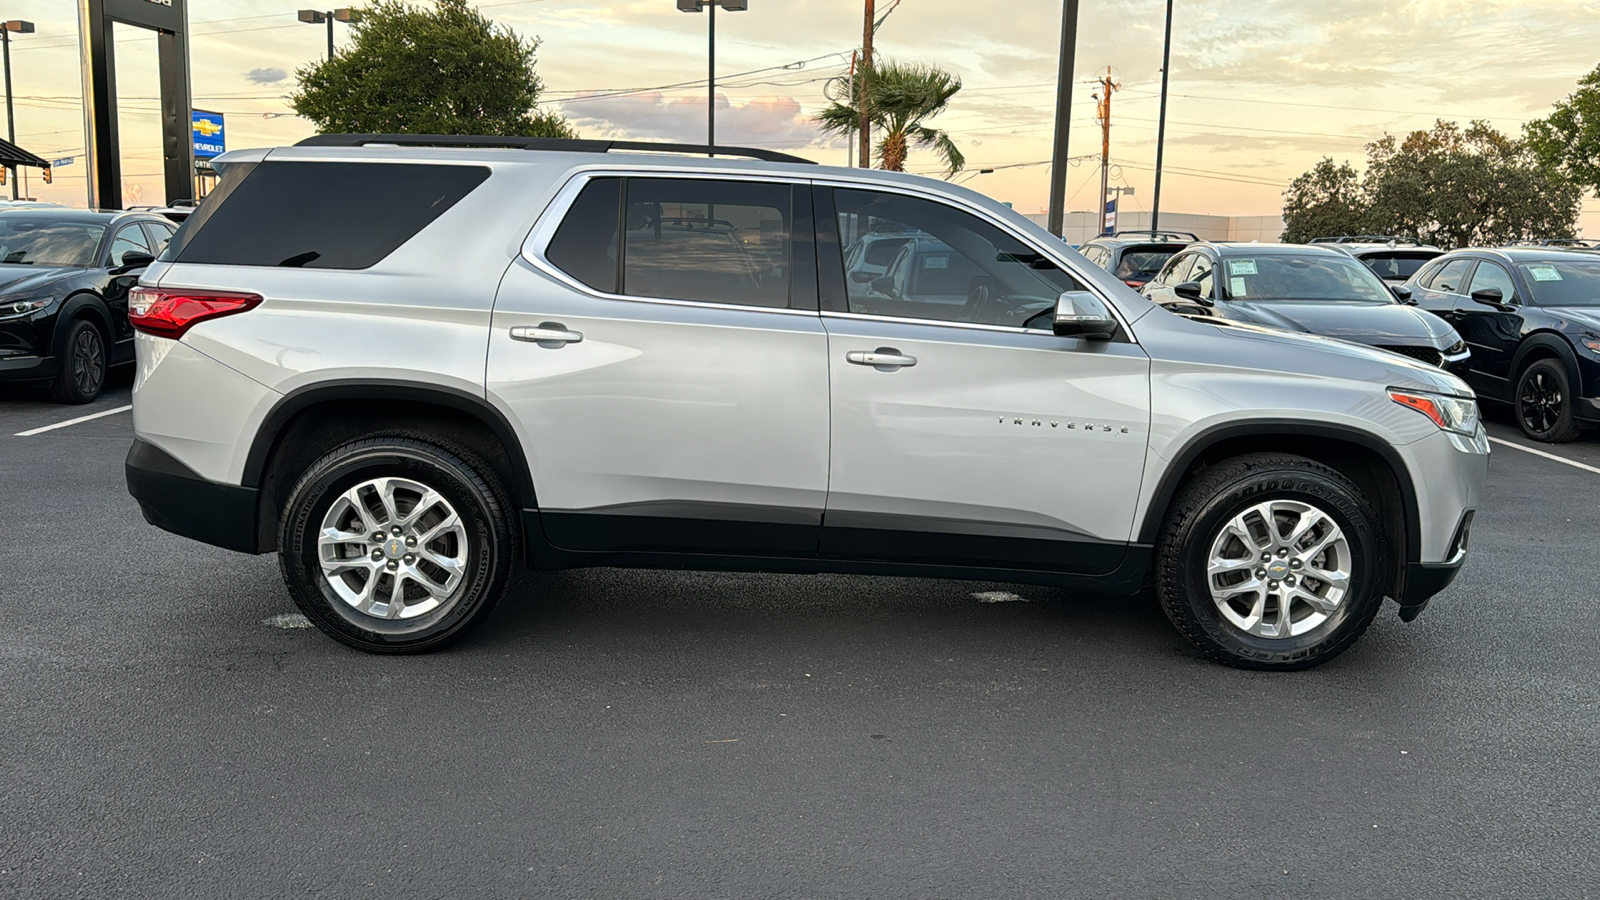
[(1531, 316), (1394, 259), (1135, 256), (407, 368)]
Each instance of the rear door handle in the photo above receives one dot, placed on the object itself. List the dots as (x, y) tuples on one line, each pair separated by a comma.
[(883, 358), (545, 333)]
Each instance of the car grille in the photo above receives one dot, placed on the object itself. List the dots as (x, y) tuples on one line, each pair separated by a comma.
[(1425, 354)]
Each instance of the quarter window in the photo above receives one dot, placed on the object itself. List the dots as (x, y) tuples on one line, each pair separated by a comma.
[(953, 267), (585, 244)]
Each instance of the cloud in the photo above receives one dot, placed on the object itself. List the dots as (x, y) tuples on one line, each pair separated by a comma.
[(270, 75), (773, 122)]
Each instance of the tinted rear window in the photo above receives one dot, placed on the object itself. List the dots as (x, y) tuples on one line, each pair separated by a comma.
[(585, 244), (324, 215)]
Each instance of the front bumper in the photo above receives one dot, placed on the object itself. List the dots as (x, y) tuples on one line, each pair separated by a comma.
[(173, 497), (1587, 409), (27, 368)]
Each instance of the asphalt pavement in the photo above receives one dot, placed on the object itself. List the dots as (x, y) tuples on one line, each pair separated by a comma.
[(169, 731)]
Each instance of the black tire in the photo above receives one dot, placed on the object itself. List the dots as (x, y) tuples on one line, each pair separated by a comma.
[(1543, 402), (480, 502), (83, 364), (1214, 498)]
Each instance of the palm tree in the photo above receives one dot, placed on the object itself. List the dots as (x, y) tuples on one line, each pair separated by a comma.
[(901, 96)]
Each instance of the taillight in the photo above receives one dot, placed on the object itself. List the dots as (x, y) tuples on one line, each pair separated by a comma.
[(168, 313), (1133, 284)]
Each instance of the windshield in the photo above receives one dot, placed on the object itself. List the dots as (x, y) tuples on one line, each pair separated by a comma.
[(48, 242), (1564, 282), (1303, 278)]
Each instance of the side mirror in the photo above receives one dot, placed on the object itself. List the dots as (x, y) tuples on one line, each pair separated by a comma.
[(860, 277), (133, 259), (1491, 297), (1190, 290), (1081, 314), (1402, 293), (884, 285)]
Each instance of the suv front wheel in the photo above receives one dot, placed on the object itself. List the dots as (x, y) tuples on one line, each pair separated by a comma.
[(1271, 562), (396, 544)]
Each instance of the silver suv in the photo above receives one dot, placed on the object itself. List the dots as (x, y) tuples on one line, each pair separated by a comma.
[(409, 364)]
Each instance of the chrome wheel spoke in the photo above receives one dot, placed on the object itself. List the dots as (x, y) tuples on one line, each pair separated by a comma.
[(386, 538), (1275, 590), (1220, 566)]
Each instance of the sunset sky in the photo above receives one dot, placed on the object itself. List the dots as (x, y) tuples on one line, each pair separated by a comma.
[(1260, 88)]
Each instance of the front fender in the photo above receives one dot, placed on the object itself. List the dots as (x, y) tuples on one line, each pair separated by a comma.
[(84, 304)]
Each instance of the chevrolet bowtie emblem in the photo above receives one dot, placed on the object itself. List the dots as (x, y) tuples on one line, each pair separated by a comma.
[(207, 128)]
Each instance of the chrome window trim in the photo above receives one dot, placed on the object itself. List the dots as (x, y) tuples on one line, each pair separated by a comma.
[(943, 323), (544, 230), (1066, 264)]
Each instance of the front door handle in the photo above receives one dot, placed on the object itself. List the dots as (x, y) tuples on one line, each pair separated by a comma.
[(883, 359), (545, 333)]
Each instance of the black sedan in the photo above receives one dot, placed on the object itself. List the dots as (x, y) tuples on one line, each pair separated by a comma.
[(1308, 289), (64, 280), (1531, 316)]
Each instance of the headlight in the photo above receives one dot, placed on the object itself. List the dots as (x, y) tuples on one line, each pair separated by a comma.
[(1458, 414), (10, 309), (1456, 349), (1592, 342)]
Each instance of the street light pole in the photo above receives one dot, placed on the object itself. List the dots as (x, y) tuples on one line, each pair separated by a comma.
[(1161, 128), (694, 6), (317, 17), (1058, 158), (20, 27)]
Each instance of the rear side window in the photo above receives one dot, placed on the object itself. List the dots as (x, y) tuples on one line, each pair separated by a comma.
[(711, 241), (324, 215)]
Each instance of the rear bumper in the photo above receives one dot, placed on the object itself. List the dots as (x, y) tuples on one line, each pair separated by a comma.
[(174, 498)]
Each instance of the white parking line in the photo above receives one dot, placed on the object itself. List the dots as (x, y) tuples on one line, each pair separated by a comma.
[(1560, 459), (99, 415)]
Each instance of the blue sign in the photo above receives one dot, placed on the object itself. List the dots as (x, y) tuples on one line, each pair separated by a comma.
[(64, 161), (209, 138)]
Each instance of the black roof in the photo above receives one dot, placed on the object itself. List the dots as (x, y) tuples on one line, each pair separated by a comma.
[(11, 156)]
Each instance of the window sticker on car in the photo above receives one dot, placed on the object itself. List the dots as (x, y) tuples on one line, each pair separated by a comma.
[(1544, 273), (1236, 287), (1241, 267), (936, 262)]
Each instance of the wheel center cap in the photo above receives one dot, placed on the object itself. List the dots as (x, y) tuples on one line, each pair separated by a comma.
[(394, 548), (1278, 569)]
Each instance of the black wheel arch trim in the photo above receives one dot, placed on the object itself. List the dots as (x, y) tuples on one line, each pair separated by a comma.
[(71, 308), (302, 399), (1541, 340), (1161, 500)]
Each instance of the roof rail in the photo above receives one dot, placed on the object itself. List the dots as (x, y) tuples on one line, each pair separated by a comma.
[(1177, 235), (569, 145), (1365, 239)]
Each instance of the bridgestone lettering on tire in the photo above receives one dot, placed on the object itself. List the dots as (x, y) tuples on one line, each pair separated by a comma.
[(1271, 561), (397, 544)]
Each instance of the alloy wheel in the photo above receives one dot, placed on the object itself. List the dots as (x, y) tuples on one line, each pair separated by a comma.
[(1279, 569), (393, 548), (1539, 403), (88, 361)]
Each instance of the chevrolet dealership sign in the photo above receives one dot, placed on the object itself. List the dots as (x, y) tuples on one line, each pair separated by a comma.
[(209, 138)]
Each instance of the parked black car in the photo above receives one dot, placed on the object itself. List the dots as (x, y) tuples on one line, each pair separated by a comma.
[(1303, 288), (1395, 259), (64, 280), (1135, 256), (1531, 316)]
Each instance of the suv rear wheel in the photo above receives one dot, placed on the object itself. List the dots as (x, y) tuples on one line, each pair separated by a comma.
[(1271, 562), (397, 544)]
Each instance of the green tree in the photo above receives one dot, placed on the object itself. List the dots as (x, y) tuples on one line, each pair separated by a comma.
[(414, 70), (1449, 186), (1569, 138), (901, 97), (1328, 200)]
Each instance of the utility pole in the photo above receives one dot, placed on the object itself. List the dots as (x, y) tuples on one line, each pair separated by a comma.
[(1058, 156), (1103, 115), (6, 28), (1161, 129), (864, 138)]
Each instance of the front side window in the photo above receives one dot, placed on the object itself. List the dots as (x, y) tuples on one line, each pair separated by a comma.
[(129, 239), (1176, 270), (1492, 277), (1452, 278), (1201, 274), (160, 234), (954, 267)]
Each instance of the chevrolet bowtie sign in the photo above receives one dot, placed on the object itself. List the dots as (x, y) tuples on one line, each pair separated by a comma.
[(209, 139)]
